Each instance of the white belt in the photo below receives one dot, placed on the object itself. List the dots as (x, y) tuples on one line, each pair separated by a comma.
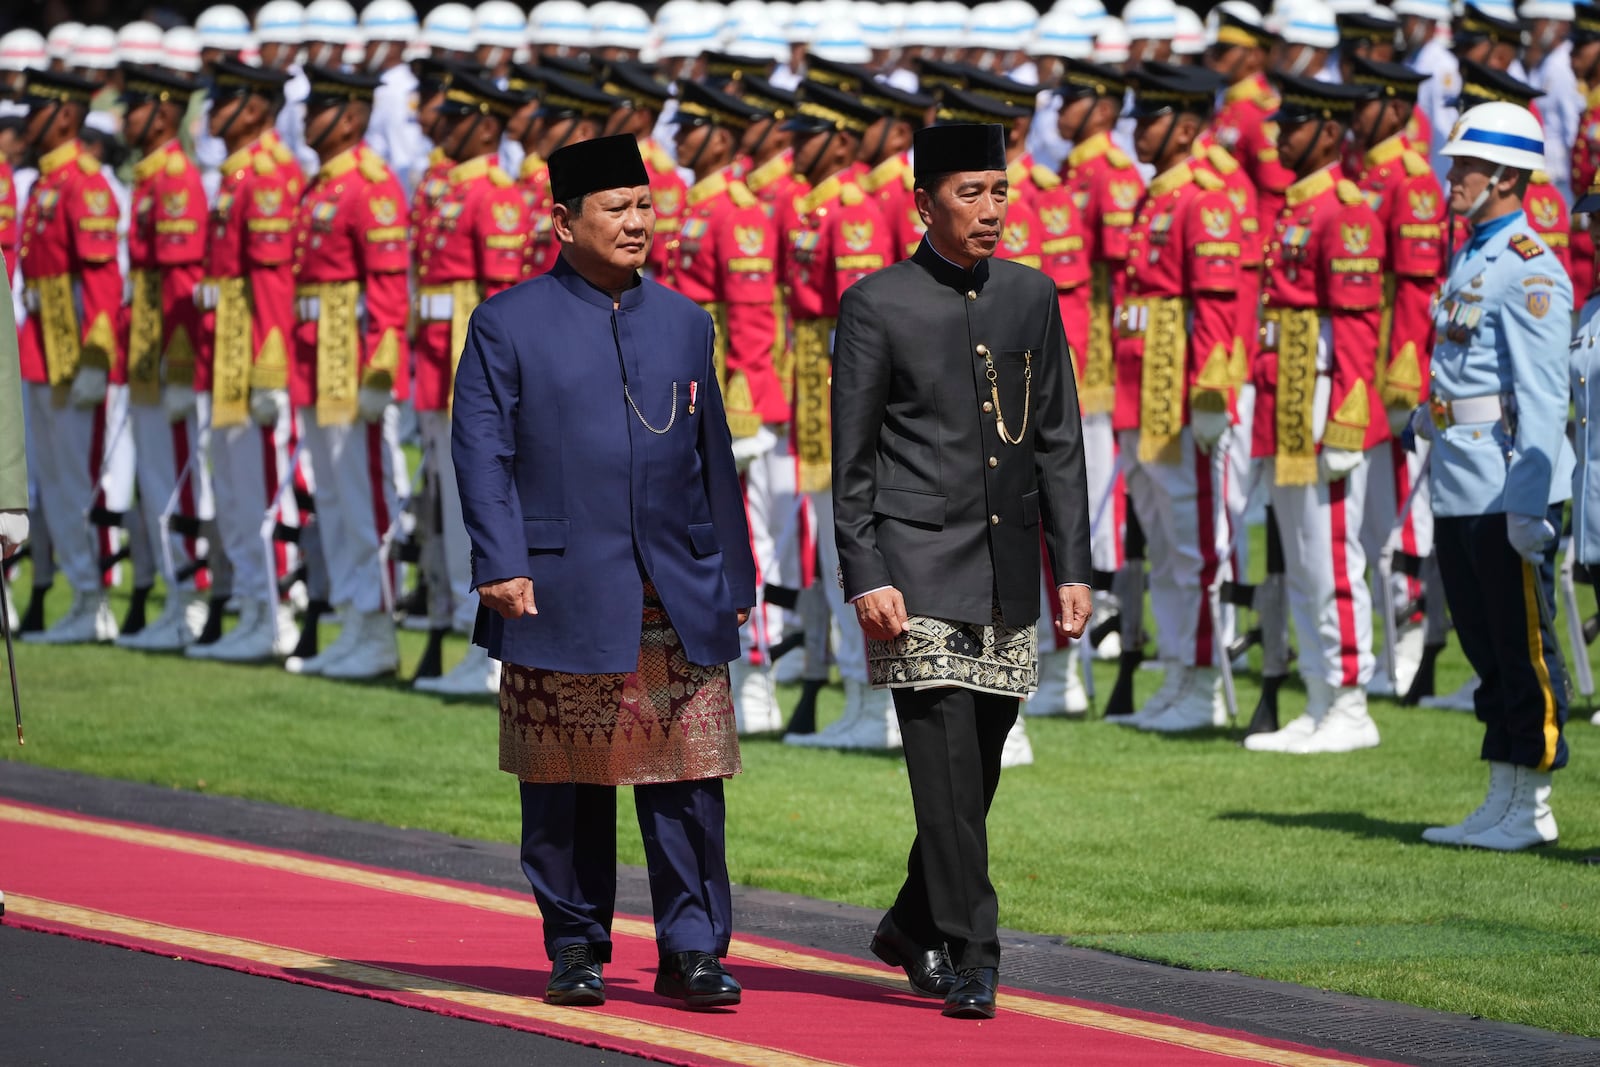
[(308, 308), (30, 300), (436, 307), (1269, 336), (1134, 319), (206, 296), (1468, 409)]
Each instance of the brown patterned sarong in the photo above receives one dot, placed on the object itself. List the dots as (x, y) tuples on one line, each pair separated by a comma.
[(668, 721)]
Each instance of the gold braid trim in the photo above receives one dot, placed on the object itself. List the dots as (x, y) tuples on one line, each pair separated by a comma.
[(230, 366), (783, 347), (271, 368), (465, 297), (738, 402), (58, 325), (1400, 384), (1098, 392), (384, 366), (100, 344), (144, 337), (719, 339), (338, 351), (1161, 377), (1385, 326), (813, 434), (1298, 329), (180, 359)]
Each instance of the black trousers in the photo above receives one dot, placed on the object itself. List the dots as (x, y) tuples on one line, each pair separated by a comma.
[(569, 853), (953, 739), (1522, 698)]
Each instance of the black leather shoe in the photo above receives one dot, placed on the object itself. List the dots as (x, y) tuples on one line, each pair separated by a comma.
[(697, 979), (928, 969), (973, 996), (575, 978)]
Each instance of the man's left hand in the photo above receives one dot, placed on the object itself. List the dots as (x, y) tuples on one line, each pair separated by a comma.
[(1076, 607), (744, 616), (13, 531)]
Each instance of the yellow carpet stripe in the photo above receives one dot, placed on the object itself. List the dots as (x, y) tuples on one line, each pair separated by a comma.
[(455, 993), (776, 957)]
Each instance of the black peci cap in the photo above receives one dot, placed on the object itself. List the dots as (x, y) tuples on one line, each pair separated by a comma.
[(957, 148), (590, 166)]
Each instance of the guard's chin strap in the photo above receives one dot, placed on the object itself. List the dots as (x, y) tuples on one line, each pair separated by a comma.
[(883, 139), (572, 124), (33, 143), (1588, 74), (820, 152), (155, 110), (1166, 138), (1483, 197), (755, 149), (1302, 61), (461, 142), (1310, 144), (326, 130), (1369, 138), (694, 161), (1077, 132), (222, 134)]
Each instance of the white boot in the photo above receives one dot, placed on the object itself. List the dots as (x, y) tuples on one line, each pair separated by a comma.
[(374, 653), (1060, 689), (840, 727), (171, 632), (474, 676), (251, 640), (1502, 778), (1018, 751), (755, 707), (1460, 700), (874, 727), (1345, 728), (349, 634), (1594, 720), (1199, 705), (287, 636), (1319, 698), (1163, 698), (88, 621), (1527, 822)]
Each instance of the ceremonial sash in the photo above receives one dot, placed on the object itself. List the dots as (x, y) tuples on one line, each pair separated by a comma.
[(338, 351), (813, 434), (58, 326), (232, 354), (144, 337), (1161, 384), (1295, 332), (1097, 394)]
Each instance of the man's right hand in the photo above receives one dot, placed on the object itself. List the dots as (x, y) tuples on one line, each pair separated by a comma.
[(882, 614), (510, 599)]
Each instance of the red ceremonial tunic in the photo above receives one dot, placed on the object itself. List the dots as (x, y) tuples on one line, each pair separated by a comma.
[(1585, 164), (667, 192), (1242, 127), (543, 249), (1106, 188), (774, 182), (1063, 249), (166, 250), (1242, 195), (890, 184), (10, 235), (1547, 214)]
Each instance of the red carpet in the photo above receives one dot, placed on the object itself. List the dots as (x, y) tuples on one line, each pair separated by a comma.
[(476, 952)]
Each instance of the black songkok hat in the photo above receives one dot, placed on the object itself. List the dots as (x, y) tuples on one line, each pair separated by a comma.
[(45, 88), (142, 84), (958, 147), (1483, 85), (330, 87), (1385, 81), (590, 166), (1162, 87), (230, 78), (1305, 99)]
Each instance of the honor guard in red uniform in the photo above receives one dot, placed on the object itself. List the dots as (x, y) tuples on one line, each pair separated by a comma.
[(246, 295), (432, 77), (768, 145), (724, 258), (568, 112), (470, 247), (1106, 188), (10, 235), (70, 344), (166, 249), (1585, 37), (643, 97), (350, 266), (886, 152), (1318, 413), (1401, 188), (830, 236), (1177, 329), (1243, 124)]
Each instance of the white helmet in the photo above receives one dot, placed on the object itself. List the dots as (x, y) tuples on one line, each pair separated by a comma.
[(995, 27), (804, 22), (1352, 7), (879, 26), (180, 50), (690, 32), (59, 42), (139, 42), (388, 20), (1060, 34), (1111, 44), (223, 27), (448, 26), (1151, 20), (333, 22), (1190, 40), (1310, 23), (838, 39), (618, 25), (281, 22), (23, 50), (1242, 10), (1437, 10), (1559, 10), (95, 48), (1501, 133), (500, 24), (758, 37)]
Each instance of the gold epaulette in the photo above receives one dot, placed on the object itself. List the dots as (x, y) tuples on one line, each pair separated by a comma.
[(499, 178), (741, 195), (660, 160), (1208, 181), (1415, 165), (176, 163), (909, 176), (1118, 158), (281, 153), (1044, 177), (263, 163), (1538, 177), (372, 168), (88, 164), (851, 195), (1348, 192), (1221, 159)]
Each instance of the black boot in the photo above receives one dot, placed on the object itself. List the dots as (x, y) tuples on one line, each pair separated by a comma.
[(1422, 683), (33, 619), (211, 632), (804, 719), (314, 612), (134, 621), (1265, 719), (431, 665), (1120, 702)]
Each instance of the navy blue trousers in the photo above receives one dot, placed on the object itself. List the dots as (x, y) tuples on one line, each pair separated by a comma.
[(569, 853), (1522, 698)]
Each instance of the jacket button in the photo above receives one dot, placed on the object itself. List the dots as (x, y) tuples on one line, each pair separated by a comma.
[(994, 520), (982, 350), (987, 407), (993, 462), (972, 294)]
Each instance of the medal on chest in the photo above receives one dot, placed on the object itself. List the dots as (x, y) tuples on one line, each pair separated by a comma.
[(690, 236)]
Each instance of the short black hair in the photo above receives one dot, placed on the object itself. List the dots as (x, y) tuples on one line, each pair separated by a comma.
[(574, 206)]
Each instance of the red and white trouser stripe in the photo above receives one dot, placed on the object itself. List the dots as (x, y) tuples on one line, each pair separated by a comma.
[(357, 500), (1391, 472), (777, 530), (164, 449)]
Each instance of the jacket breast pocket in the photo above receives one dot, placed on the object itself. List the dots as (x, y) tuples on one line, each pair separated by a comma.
[(1029, 508), (703, 539), (910, 505), (545, 535)]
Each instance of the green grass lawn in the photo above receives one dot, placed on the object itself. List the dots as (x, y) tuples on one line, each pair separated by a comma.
[(1186, 850)]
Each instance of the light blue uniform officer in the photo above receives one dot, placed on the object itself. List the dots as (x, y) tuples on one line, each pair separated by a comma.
[(1501, 470), (1583, 371)]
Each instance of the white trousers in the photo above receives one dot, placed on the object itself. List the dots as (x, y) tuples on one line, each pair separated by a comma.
[(1105, 503), (1325, 570), (42, 552), (1237, 497), (357, 503), (65, 463), (166, 452), (456, 557), (850, 646), (248, 465), (771, 505), (1180, 507)]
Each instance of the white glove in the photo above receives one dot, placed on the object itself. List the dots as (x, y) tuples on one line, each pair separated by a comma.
[(1320, 399), (13, 531), (1208, 428), (1399, 419), (1335, 464), (266, 404), (177, 401), (89, 387), (1529, 535), (372, 402), (746, 450), (1422, 422)]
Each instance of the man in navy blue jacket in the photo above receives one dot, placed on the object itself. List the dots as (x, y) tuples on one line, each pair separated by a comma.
[(612, 559)]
